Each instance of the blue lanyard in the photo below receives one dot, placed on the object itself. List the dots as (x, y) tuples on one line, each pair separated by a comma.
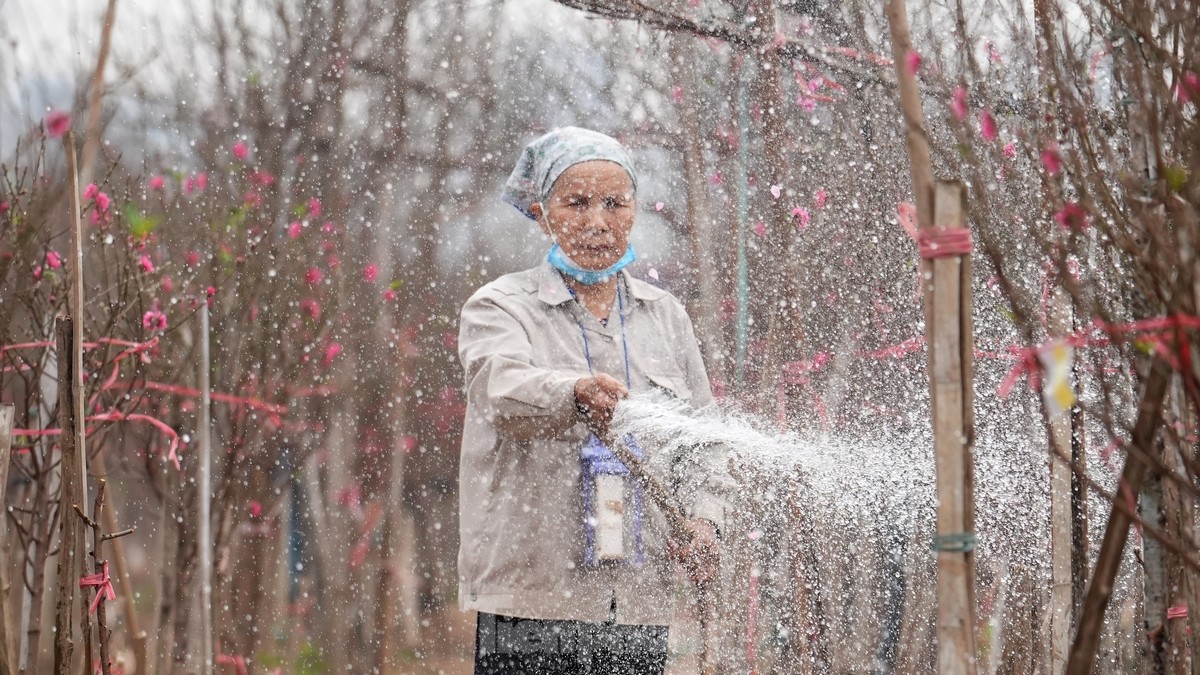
[(587, 351)]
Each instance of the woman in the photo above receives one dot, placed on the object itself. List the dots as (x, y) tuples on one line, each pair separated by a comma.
[(570, 571)]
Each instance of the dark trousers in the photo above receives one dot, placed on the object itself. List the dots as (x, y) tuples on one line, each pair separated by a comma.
[(506, 645)]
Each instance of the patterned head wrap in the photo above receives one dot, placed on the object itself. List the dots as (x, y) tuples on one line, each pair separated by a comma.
[(545, 159)]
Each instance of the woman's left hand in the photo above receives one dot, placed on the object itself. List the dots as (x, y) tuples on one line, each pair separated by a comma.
[(700, 555)]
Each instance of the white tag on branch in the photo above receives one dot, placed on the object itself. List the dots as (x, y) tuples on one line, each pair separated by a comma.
[(1057, 359)]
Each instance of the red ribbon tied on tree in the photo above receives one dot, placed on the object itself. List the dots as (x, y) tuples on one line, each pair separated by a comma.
[(935, 242), (103, 584)]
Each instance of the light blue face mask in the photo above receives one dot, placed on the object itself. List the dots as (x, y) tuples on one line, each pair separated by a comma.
[(558, 260)]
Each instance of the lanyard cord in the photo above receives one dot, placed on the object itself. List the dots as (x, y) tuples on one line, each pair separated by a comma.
[(587, 352)]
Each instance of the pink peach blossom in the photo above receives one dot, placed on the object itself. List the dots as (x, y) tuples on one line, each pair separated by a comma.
[(1189, 87), (37, 273), (1051, 159), (389, 295), (91, 191), (103, 201), (1072, 216), (760, 228), (191, 258), (146, 264), (154, 320), (913, 59), (370, 273), (53, 260), (801, 214), (807, 103), (677, 94), (261, 179), (294, 229), (776, 191), (240, 151), (201, 180), (314, 208), (987, 126), (313, 276), (992, 53), (168, 285), (331, 353), (658, 206), (3, 208), (252, 199), (58, 123), (958, 104), (1010, 150), (820, 199), (311, 307), (156, 183)]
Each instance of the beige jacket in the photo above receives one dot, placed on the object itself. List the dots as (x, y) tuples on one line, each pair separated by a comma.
[(522, 544)]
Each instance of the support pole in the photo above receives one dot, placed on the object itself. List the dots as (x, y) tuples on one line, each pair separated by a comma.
[(204, 435), (951, 369), (1061, 541), (68, 564), (7, 413)]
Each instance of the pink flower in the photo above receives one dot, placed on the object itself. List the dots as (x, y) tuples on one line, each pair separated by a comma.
[(1189, 87), (189, 185), (807, 103), (1051, 159), (157, 183), (715, 178), (987, 126), (191, 258), (677, 94), (776, 190), (91, 191), (913, 59), (313, 276), (760, 228), (314, 208), (331, 353), (146, 264), (53, 260), (240, 151), (154, 320), (311, 307), (168, 285), (1010, 150), (958, 105), (201, 180), (58, 123), (389, 295), (252, 199), (992, 53), (1072, 216), (370, 273), (801, 213), (328, 227), (658, 206), (103, 201), (254, 508), (820, 198), (3, 208), (37, 273), (294, 230), (261, 179)]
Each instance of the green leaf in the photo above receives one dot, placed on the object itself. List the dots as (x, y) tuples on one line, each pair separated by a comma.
[(1176, 177), (300, 210), (396, 284), (140, 224), (1008, 314)]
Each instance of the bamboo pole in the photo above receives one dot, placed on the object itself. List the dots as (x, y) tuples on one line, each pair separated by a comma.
[(7, 413), (137, 636), (91, 141), (204, 436), (1060, 609), (1091, 616)]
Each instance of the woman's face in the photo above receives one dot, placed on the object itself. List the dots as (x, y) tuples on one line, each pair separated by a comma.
[(589, 212)]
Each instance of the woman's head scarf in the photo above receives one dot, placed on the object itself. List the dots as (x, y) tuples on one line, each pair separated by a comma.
[(546, 158)]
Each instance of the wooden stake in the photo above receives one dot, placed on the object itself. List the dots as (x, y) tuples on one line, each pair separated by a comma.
[(68, 565), (950, 355), (1091, 616), (7, 413)]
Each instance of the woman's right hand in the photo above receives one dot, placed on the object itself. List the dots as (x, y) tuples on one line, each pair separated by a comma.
[(596, 398)]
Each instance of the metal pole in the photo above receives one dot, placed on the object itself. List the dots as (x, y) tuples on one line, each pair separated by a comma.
[(205, 490), (745, 72)]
